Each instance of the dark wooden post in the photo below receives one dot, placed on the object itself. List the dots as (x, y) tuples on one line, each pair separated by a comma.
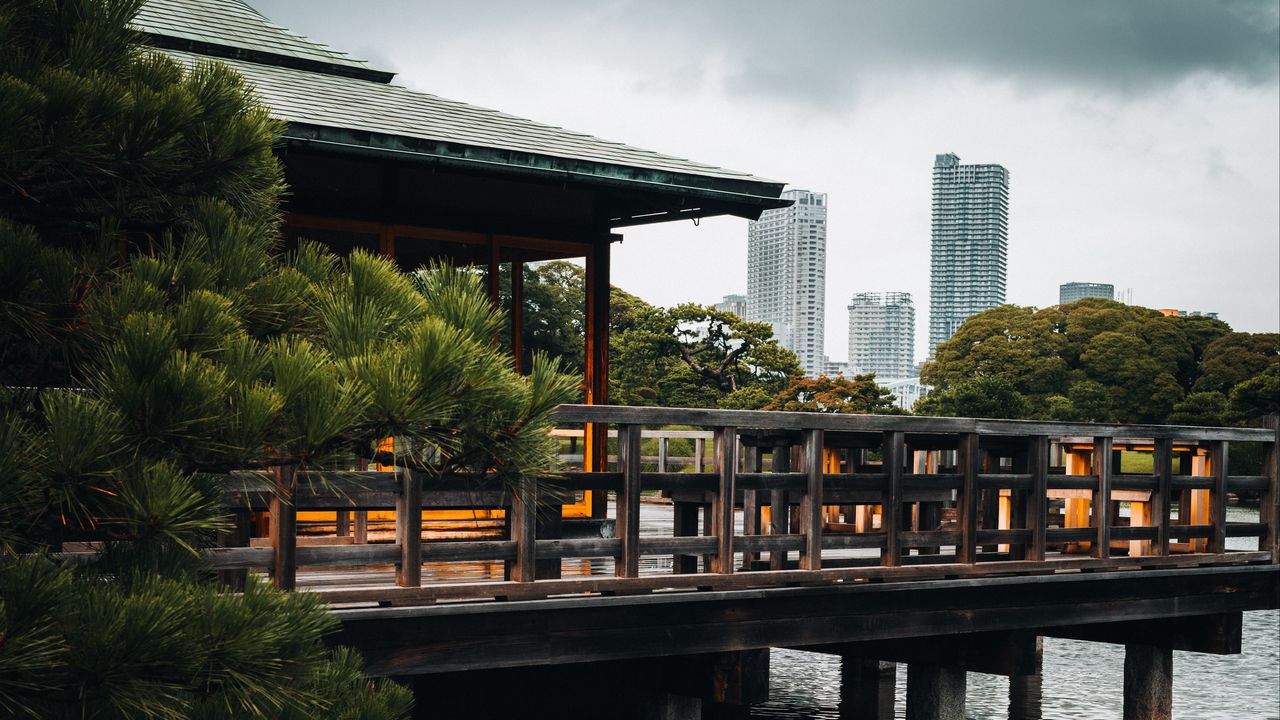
[(1038, 502), (517, 314), (238, 535), (596, 441), (1269, 512), (284, 528), (722, 507), (409, 528), (342, 523), (891, 505), (524, 530), (968, 463), (1101, 510), (628, 506), (684, 524), (779, 511), (1162, 468), (866, 688), (811, 503), (1148, 682), (751, 504), (1218, 503)]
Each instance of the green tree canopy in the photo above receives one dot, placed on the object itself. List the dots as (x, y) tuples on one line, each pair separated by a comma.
[(153, 339), (1098, 360), (858, 395)]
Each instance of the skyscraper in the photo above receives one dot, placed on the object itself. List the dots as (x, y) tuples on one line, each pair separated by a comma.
[(1073, 291), (736, 304), (882, 331), (970, 243), (786, 274)]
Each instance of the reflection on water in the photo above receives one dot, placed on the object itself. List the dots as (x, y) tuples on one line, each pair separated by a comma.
[(1080, 679)]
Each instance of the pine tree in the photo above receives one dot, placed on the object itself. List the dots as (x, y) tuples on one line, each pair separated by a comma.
[(153, 339)]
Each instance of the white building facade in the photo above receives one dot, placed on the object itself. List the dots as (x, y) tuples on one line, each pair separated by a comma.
[(882, 330), (786, 275), (1073, 291), (970, 243)]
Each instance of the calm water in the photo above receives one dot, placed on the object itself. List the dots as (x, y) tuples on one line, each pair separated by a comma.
[(1081, 679)]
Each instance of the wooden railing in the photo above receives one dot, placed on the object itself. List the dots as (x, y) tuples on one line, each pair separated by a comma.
[(921, 497)]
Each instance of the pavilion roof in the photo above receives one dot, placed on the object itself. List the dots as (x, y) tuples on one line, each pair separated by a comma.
[(332, 100)]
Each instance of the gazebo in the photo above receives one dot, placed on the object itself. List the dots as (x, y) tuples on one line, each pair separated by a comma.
[(375, 165)]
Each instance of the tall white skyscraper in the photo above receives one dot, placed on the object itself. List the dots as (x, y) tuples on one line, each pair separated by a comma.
[(882, 332), (786, 275), (970, 243)]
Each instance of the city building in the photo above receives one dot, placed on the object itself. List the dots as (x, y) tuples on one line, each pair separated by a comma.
[(906, 390), (970, 243), (832, 368), (786, 274), (736, 304), (1169, 312), (1073, 291), (882, 331)]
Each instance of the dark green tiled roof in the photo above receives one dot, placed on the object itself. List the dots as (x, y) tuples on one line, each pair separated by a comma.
[(328, 97)]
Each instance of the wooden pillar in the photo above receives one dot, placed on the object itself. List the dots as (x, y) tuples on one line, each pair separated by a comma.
[(779, 515), (628, 505), (1038, 497), (891, 514), (968, 462), (524, 531), (409, 528), (1026, 692), (1269, 512), (493, 274), (722, 507), (1161, 499), (284, 529), (596, 441), (238, 535), (935, 692), (750, 504), (866, 688), (1101, 517), (1218, 468), (1148, 682), (811, 503), (517, 314)]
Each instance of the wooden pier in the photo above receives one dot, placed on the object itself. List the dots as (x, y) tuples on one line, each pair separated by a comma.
[(949, 544)]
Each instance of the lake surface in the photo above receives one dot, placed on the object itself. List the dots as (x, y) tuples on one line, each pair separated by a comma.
[(1080, 679)]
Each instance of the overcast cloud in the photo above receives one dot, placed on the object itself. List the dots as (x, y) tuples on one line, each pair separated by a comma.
[(1142, 138)]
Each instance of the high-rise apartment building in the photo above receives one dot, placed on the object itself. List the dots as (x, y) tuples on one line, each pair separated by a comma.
[(970, 243), (736, 304), (786, 274), (882, 330), (1073, 291)]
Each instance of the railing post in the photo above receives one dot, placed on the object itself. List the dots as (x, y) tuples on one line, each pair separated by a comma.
[(1162, 467), (1269, 512), (1038, 503), (726, 461), (968, 462), (1218, 503), (663, 449), (628, 505), (1101, 519), (750, 504), (891, 504), (284, 528), (811, 503), (524, 530), (409, 528), (779, 512)]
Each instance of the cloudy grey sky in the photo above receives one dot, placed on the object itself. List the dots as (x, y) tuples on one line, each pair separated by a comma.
[(1142, 138)]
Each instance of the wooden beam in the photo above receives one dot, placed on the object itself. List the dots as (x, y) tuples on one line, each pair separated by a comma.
[(1215, 634), (596, 380), (811, 502), (969, 463), (726, 459), (1038, 501), (409, 528), (517, 314), (1101, 510), (994, 653), (628, 505), (891, 507), (524, 531), (284, 528), (1161, 499), (1218, 468)]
